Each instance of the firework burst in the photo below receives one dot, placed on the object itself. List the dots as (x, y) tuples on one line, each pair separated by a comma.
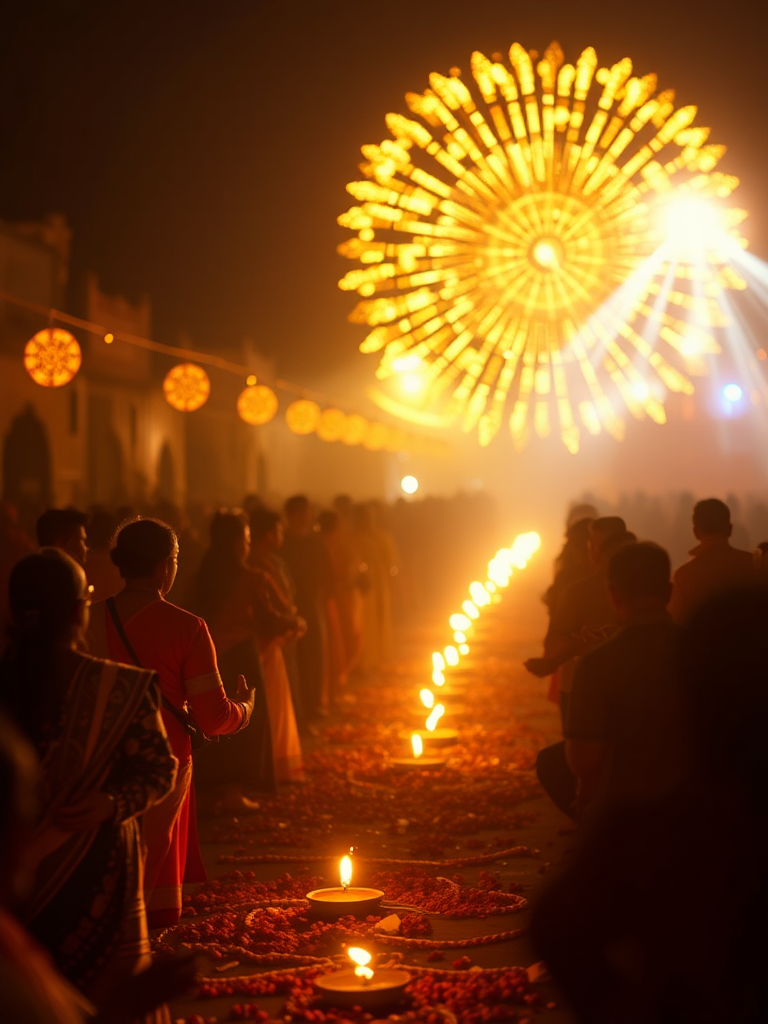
[(515, 259)]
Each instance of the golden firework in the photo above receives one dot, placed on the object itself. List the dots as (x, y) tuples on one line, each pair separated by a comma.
[(514, 255)]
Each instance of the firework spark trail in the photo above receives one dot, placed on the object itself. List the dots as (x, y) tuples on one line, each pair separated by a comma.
[(508, 240)]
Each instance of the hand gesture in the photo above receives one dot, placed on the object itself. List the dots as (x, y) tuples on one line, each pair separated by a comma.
[(245, 694), (541, 667)]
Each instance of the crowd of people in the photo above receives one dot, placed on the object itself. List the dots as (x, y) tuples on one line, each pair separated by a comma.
[(662, 683), (120, 705)]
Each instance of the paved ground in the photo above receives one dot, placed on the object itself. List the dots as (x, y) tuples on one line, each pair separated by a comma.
[(509, 634)]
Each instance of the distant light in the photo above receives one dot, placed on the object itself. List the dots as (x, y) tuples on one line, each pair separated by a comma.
[(693, 223), (459, 621), (732, 393), (406, 363), (451, 655), (464, 648), (108, 338), (250, 380), (409, 484), (459, 637), (412, 383)]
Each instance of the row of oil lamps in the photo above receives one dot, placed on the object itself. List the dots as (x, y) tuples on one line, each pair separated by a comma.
[(361, 985)]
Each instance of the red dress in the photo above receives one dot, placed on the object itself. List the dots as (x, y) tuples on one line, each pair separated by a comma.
[(178, 646)]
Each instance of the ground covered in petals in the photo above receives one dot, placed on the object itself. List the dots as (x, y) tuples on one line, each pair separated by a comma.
[(458, 852)]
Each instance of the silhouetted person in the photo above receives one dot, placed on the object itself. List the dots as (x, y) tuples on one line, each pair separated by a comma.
[(65, 529), (312, 572), (103, 575), (584, 614), (715, 565), (662, 915)]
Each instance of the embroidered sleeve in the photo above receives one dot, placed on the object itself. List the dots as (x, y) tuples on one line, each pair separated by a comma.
[(144, 770)]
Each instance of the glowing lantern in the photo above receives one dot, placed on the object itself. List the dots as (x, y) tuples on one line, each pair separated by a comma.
[(375, 437), (417, 744), (345, 871), (355, 429), (186, 387), (331, 425), (362, 958), (434, 717), (257, 405), (427, 698), (459, 621), (52, 357), (470, 610), (302, 416)]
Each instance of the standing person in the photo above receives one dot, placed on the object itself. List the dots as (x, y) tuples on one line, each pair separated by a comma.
[(105, 760), (64, 528), (312, 573), (103, 575), (266, 540), (375, 565), (140, 627), (627, 928), (337, 665), (349, 597), (584, 614), (715, 565), (236, 602)]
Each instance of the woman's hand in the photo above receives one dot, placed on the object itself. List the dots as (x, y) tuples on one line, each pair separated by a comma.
[(86, 814), (245, 694)]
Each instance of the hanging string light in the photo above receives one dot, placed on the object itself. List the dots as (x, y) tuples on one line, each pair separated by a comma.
[(52, 357), (331, 425), (302, 416), (186, 387), (257, 404)]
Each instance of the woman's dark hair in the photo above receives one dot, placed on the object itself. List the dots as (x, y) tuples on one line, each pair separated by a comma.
[(141, 545), (263, 521), (43, 591), (222, 564)]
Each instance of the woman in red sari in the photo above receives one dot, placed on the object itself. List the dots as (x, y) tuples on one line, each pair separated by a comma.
[(105, 760), (142, 628)]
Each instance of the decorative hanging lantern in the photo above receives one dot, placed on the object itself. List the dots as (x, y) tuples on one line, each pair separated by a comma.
[(257, 405), (375, 437), (331, 425), (355, 428), (52, 357), (186, 387), (302, 416)]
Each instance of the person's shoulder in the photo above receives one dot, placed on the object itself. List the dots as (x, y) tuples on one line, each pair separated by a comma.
[(745, 558), (178, 617), (96, 666)]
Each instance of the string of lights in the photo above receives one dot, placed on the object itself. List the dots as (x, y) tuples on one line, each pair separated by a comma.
[(53, 357)]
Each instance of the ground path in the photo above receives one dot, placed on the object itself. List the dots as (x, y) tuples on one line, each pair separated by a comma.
[(486, 802)]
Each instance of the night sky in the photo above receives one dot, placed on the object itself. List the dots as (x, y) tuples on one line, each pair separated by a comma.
[(200, 150)]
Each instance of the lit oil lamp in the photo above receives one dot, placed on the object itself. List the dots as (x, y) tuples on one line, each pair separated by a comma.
[(344, 899), (434, 736), (418, 762), (362, 985)]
